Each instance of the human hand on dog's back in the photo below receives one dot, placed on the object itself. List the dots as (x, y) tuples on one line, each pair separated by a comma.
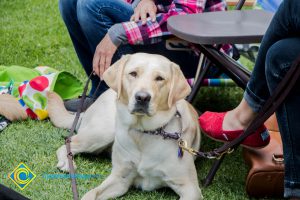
[(143, 8)]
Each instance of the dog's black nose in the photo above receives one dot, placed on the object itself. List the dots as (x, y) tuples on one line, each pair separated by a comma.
[(142, 97)]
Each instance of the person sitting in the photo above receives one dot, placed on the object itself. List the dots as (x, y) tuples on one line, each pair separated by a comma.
[(279, 48), (104, 30)]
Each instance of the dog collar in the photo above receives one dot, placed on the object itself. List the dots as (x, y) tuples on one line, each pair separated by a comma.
[(161, 131), (166, 135)]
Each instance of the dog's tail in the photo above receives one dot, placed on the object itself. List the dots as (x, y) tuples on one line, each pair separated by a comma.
[(11, 109), (58, 114)]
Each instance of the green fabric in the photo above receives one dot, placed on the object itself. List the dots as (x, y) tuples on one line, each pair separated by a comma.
[(17, 74), (65, 84)]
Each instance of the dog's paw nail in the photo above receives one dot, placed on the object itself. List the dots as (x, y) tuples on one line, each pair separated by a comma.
[(65, 169), (60, 164)]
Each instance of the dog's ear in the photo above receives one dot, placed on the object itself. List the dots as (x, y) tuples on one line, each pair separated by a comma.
[(179, 88), (113, 75)]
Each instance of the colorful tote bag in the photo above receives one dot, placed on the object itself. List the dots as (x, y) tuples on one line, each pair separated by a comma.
[(30, 86)]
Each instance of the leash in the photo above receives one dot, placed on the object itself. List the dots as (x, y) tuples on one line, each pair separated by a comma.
[(72, 131), (271, 105), (182, 144)]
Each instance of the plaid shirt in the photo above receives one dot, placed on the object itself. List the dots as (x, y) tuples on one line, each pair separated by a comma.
[(152, 32)]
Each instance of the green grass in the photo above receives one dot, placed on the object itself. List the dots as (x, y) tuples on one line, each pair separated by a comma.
[(31, 34)]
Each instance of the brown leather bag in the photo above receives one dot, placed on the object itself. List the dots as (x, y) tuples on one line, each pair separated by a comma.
[(266, 174)]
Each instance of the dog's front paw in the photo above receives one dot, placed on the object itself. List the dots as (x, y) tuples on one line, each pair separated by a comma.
[(63, 162), (63, 165), (90, 195)]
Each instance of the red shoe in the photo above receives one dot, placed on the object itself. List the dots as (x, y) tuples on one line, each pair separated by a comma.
[(211, 126)]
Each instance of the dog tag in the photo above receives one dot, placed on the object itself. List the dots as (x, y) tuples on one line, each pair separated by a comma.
[(180, 152)]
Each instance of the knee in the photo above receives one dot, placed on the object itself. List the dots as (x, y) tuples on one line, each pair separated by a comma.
[(271, 61), (279, 59), (87, 9)]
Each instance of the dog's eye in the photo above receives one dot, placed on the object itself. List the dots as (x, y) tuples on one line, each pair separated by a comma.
[(159, 78), (133, 74)]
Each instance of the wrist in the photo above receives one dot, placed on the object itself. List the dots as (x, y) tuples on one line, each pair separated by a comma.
[(117, 34)]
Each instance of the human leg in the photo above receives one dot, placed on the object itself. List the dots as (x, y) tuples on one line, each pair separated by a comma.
[(278, 61), (69, 15), (285, 23), (87, 22), (68, 10), (95, 18)]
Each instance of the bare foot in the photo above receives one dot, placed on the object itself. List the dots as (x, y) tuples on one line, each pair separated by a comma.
[(239, 118)]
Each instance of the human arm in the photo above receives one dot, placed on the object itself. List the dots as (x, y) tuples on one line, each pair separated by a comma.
[(116, 36), (152, 31), (137, 33)]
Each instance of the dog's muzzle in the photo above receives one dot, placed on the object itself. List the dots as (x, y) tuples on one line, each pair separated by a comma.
[(142, 100)]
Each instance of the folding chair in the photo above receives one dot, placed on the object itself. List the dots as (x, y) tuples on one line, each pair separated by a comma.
[(209, 31)]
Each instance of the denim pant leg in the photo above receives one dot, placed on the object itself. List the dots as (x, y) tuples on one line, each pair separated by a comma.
[(285, 23), (278, 61), (87, 22), (68, 11)]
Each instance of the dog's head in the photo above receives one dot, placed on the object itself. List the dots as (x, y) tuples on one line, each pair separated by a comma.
[(147, 83)]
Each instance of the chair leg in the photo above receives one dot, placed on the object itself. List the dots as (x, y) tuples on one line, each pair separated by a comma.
[(198, 82), (234, 70), (202, 60), (212, 172)]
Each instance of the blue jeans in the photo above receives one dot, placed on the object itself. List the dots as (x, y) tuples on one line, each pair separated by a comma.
[(279, 48), (87, 22)]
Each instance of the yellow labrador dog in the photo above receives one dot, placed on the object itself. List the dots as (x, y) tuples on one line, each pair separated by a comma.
[(146, 92)]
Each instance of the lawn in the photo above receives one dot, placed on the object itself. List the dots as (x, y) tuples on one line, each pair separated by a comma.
[(31, 34)]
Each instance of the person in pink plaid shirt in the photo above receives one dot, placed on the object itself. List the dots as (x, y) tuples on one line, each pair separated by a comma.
[(104, 30)]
